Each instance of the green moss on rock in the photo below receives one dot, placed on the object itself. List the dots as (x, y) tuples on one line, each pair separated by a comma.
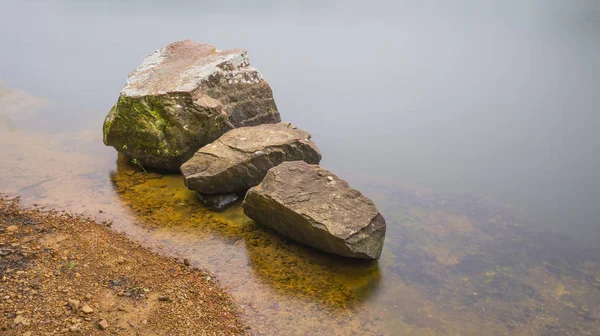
[(162, 131)]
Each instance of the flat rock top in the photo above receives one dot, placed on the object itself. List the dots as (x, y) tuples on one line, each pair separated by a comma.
[(319, 195), (181, 67), (254, 138)]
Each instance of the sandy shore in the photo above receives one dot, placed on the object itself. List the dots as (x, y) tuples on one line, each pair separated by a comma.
[(65, 274)]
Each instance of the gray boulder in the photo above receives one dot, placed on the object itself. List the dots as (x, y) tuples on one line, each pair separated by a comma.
[(241, 158), (313, 206), (183, 97)]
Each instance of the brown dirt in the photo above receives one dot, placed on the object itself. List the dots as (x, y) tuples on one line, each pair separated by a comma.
[(48, 258)]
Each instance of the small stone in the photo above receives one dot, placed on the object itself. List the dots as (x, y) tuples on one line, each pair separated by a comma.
[(12, 228), (74, 304), (164, 298), (186, 262), (88, 296), (103, 324), (27, 333), (87, 309), (20, 320), (74, 327), (330, 178), (218, 202)]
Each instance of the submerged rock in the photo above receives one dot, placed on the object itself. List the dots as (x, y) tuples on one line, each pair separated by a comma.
[(241, 158), (183, 97), (218, 202), (311, 205)]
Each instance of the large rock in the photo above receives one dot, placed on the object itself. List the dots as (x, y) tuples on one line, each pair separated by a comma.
[(241, 158), (183, 97), (311, 205)]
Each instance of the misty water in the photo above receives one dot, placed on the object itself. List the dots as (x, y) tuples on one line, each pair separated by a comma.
[(473, 127)]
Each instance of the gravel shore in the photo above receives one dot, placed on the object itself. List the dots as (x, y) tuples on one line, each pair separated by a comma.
[(65, 274)]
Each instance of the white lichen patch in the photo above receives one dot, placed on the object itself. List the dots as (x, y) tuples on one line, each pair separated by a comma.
[(143, 72), (212, 65), (151, 61), (179, 70)]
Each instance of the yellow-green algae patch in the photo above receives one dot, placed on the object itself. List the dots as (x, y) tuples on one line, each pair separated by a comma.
[(161, 200), (449, 266)]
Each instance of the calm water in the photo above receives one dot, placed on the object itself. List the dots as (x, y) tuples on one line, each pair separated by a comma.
[(473, 126)]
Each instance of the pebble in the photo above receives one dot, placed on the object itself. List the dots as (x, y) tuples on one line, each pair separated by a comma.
[(103, 324), (87, 309), (12, 228), (74, 304), (186, 262), (27, 333), (330, 178), (164, 298), (20, 320)]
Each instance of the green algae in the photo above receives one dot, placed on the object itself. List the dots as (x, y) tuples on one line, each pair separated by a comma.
[(161, 131)]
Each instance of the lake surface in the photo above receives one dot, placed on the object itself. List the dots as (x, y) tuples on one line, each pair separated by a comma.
[(473, 127)]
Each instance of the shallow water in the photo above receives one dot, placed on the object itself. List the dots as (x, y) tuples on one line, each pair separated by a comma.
[(452, 263), (419, 106)]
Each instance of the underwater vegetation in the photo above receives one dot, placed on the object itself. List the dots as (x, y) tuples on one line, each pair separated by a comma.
[(452, 264)]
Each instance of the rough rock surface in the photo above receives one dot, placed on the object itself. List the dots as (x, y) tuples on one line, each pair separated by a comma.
[(311, 205), (183, 97), (241, 158)]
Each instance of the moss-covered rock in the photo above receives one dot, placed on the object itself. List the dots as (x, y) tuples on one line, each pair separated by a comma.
[(183, 97)]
